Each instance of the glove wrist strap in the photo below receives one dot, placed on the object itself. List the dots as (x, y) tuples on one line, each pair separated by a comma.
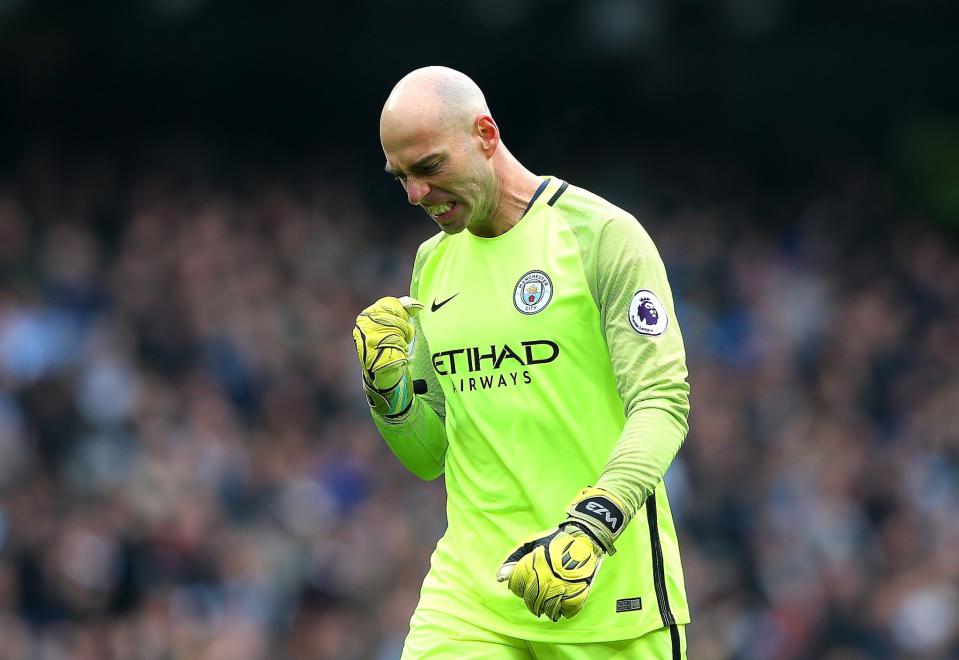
[(392, 403), (600, 514)]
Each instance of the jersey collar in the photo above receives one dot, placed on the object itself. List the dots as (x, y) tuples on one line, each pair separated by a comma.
[(548, 192), (539, 191)]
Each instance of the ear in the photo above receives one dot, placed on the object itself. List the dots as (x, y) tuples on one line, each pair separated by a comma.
[(488, 133)]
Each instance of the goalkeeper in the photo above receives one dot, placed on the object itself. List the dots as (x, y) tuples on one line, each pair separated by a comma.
[(537, 363)]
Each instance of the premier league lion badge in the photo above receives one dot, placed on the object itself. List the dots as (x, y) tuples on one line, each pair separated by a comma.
[(647, 314), (533, 292)]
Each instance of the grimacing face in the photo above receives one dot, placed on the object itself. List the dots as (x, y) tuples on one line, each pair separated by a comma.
[(446, 172)]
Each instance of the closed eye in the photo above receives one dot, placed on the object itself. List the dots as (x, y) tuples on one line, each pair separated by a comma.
[(427, 166)]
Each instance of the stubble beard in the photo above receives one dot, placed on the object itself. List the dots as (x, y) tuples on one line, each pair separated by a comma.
[(481, 217)]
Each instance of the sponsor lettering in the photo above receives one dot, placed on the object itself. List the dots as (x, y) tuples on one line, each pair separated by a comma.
[(540, 351), (506, 360)]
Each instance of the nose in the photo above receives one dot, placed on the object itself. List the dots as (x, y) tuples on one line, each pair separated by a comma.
[(416, 190)]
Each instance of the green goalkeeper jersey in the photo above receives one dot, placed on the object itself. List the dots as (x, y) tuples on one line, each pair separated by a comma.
[(553, 361)]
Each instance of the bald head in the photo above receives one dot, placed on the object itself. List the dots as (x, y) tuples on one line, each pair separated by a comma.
[(441, 143), (433, 97)]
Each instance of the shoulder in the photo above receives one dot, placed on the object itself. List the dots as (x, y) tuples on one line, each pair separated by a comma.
[(596, 220), (426, 250), (429, 247), (430, 244), (576, 199)]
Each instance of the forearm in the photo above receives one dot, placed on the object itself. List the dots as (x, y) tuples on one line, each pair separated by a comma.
[(418, 440), (646, 447)]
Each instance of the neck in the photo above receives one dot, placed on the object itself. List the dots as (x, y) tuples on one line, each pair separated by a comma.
[(515, 185)]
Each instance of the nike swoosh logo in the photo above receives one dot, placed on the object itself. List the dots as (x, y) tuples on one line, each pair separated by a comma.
[(435, 306)]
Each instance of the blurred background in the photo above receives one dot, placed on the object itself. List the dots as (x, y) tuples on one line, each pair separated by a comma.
[(193, 210)]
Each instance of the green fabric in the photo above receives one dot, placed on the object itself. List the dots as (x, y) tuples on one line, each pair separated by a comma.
[(442, 635), (420, 363), (418, 439), (619, 258), (541, 400)]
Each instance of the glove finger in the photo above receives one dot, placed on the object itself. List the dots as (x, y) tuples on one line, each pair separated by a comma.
[(375, 358), (385, 355), (379, 346), (381, 325), (521, 577), (411, 305), (391, 311), (553, 607), (532, 589), (388, 305), (385, 378), (573, 600), (386, 359), (360, 340)]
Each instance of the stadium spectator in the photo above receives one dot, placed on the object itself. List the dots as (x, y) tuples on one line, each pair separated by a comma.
[(187, 467)]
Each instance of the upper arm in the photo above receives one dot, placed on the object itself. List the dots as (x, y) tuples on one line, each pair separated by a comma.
[(638, 319)]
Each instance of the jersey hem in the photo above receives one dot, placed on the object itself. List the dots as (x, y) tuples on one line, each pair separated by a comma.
[(585, 635), (547, 634)]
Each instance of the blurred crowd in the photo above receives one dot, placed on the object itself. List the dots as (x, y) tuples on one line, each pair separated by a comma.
[(188, 469)]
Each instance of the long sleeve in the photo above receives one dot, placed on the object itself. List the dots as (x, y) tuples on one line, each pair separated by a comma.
[(647, 355), (418, 439)]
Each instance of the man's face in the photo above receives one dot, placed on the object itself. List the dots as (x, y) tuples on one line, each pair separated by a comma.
[(443, 170)]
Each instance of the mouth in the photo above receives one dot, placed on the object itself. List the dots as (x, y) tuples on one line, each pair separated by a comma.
[(442, 211)]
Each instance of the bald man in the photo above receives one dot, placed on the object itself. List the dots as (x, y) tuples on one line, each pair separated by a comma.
[(547, 382)]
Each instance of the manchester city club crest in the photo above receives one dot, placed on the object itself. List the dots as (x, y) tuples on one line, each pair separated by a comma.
[(533, 292), (647, 314)]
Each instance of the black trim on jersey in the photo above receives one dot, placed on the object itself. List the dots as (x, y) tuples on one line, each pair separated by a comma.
[(659, 571), (562, 189), (677, 646), (539, 191)]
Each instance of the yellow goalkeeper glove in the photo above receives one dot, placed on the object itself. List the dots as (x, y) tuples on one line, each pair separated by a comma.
[(553, 571), (383, 335)]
